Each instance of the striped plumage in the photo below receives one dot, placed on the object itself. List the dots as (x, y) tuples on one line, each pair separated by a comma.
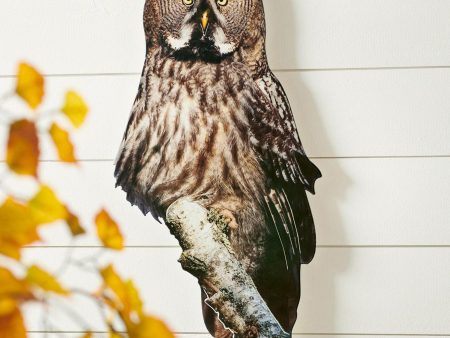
[(213, 124)]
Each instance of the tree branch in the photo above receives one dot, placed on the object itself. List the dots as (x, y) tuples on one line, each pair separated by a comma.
[(208, 255)]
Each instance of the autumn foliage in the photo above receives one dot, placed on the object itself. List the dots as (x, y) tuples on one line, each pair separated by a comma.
[(21, 220)]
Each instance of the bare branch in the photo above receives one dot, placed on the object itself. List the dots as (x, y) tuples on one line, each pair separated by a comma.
[(208, 255)]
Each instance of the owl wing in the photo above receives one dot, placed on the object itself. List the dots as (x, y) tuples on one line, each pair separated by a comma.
[(289, 171)]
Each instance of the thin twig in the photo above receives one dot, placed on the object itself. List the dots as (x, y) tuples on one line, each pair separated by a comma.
[(71, 314), (67, 259), (100, 305)]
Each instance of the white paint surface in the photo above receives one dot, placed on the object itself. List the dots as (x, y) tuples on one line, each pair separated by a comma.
[(106, 36), (390, 290), (380, 135)]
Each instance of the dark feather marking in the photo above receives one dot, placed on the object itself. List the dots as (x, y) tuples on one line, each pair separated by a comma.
[(211, 138), (181, 150), (225, 172), (240, 126), (234, 153)]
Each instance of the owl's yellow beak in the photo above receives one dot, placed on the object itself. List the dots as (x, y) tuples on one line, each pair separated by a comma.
[(204, 20)]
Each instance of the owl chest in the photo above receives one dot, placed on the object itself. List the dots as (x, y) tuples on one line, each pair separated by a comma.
[(197, 149)]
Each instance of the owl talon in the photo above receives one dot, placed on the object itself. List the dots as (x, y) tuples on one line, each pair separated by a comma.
[(226, 216), (229, 218)]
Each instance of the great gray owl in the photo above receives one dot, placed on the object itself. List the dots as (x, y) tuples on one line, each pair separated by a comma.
[(211, 122)]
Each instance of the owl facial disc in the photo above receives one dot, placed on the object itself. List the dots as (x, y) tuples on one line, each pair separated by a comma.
[(205, 32)]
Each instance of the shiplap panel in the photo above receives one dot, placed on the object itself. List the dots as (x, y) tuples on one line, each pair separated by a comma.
[(106, 36), (338, 113), (345, 290), (358, 202)]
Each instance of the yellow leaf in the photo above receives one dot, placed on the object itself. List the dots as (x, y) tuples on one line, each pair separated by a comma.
[(128, 300), (129, 305), (46, 207), (116, 335), (44, 280), (87, 335), (10, 284), (12, 287), (108, 231), (17, 228), (12, 325), (62, 142), (30, 85), (23, 148), (133, 300), (9, 249), (16, 222), (74, 224), (150, 327), (113, 281), (75, 108)]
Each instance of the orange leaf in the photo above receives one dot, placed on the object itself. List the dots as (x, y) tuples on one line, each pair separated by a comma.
[(17, 228), (7, 305), (46, 207), (75, 108), (30, 85), (62, 142), (12, 325), (44, 280), (23, 148), (108, 231), (12, 292), (74, 224)]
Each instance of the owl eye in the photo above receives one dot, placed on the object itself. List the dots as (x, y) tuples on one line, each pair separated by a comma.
[(188, 2), (222, 2)]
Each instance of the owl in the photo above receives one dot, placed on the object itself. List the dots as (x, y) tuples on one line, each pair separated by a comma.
[(212, 123)]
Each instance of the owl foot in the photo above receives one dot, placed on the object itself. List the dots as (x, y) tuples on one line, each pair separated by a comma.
[(227, 217)]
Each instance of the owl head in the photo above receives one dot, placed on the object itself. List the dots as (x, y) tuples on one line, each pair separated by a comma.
[(204, 29)]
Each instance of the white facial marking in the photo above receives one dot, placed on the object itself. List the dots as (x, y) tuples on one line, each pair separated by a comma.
[(221, 42), (183, 40)]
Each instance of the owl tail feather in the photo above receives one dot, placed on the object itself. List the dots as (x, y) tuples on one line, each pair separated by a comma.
[(309, 172)]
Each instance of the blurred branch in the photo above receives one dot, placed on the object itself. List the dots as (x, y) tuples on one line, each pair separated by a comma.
[(21, 219)]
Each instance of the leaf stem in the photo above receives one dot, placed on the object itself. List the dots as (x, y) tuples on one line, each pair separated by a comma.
[(67, 259)]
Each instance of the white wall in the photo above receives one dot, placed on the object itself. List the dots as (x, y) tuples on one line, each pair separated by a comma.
[(369, 82)]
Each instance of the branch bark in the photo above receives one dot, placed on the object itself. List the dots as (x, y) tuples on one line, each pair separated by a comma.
[(208, 255)]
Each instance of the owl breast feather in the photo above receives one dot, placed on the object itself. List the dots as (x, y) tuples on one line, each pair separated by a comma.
[(188, 136)]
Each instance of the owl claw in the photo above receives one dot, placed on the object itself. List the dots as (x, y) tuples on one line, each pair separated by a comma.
[(228, 218)]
